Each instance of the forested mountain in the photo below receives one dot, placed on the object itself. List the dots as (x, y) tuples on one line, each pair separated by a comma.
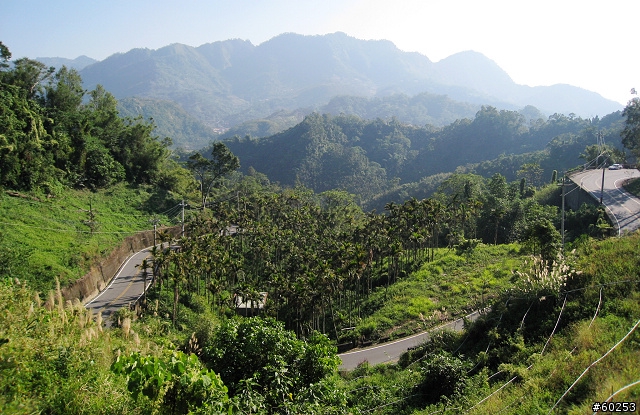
[(333, 274), (170, 120), (229, 82), (373, 157)]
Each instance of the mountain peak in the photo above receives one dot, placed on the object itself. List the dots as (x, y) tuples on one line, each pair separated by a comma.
[(228, 82), (474, 70)]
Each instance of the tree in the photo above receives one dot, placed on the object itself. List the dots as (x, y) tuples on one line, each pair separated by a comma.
[(28, 75), (532, 173), (210, 172), (544, 239), (272, 358), (64, 92), (5, 56), (631, 132)]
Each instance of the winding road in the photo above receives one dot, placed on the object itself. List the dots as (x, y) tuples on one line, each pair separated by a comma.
[(391, 351), (124, 289), (622, 206), (127, 286)]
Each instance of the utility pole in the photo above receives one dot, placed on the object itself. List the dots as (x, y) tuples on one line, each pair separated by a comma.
[(155, 222), (182, 219), (562, 226), (91, 221), (602, 186), (601, 149)]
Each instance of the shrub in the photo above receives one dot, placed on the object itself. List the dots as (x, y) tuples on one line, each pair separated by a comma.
[(443, 375)]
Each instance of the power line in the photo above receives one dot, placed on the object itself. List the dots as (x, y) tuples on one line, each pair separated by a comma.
[(592, 365)]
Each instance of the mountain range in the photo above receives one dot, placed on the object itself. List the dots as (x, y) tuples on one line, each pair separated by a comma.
[(226, 83)]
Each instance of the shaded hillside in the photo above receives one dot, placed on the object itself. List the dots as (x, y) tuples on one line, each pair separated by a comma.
[(371, 158), (226, 83), (170, 120)]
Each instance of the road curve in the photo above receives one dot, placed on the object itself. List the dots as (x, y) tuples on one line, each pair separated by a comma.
[(622, 206), (124, 289), (391, 351)]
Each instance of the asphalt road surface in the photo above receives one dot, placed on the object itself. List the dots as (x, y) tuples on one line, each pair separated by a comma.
[(391, 351), (124, 289), (623, 207)]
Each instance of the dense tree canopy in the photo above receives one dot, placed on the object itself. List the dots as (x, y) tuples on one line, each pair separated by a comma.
[(52, 131), (631, 132)]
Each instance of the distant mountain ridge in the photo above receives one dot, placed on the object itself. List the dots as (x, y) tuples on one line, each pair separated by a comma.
[(229, 82), (78, 63)]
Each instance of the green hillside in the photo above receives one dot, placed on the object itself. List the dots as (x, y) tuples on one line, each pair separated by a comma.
[(377, 160), (565, 338), (61, 236), (560, 315)]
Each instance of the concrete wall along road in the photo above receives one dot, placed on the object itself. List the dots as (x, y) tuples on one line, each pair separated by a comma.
[(100, 274), (576, 196)]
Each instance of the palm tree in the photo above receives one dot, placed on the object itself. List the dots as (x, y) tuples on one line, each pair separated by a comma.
[(144, 266)]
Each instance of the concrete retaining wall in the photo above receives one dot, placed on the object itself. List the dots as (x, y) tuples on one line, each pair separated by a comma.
[(100, 274), (575, 196)]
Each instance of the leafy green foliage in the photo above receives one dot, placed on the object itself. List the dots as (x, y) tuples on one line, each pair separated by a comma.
[(261, 354), (50, 135), (178, 383), (443, 375)]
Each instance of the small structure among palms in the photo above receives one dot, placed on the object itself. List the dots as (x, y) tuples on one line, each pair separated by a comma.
[(250, 303)]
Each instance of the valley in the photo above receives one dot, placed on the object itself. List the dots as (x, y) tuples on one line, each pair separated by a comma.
[(350, 230)]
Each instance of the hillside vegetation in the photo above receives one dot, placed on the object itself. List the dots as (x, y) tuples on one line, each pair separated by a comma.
[(564, 338), (380, 160), (559, 325), (226, 83), (62, 236)]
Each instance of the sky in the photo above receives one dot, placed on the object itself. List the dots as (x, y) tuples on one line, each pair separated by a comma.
[(589, 44)]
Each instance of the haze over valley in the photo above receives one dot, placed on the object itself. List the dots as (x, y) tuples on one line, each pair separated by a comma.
[(227, 83)]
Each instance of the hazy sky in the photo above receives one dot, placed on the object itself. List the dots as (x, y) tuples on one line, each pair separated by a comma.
[(593, 45)]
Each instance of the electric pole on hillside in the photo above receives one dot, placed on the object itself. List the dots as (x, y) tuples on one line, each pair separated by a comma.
[(91, 221), (182, 218), (601, 151), (562, 226), (155, 222)]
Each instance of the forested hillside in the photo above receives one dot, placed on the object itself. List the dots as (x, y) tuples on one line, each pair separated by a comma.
[(88, 145), (371, 158), (226, 83), (245, 310)]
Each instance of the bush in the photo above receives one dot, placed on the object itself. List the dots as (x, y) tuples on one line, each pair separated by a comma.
[(260, 353), (443, 375)]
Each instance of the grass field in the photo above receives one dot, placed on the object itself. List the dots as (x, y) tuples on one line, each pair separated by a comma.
[(62, 236)]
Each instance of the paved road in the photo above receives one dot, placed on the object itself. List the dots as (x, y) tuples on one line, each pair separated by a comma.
[(623, 207), (125, 288), (391, 351)]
